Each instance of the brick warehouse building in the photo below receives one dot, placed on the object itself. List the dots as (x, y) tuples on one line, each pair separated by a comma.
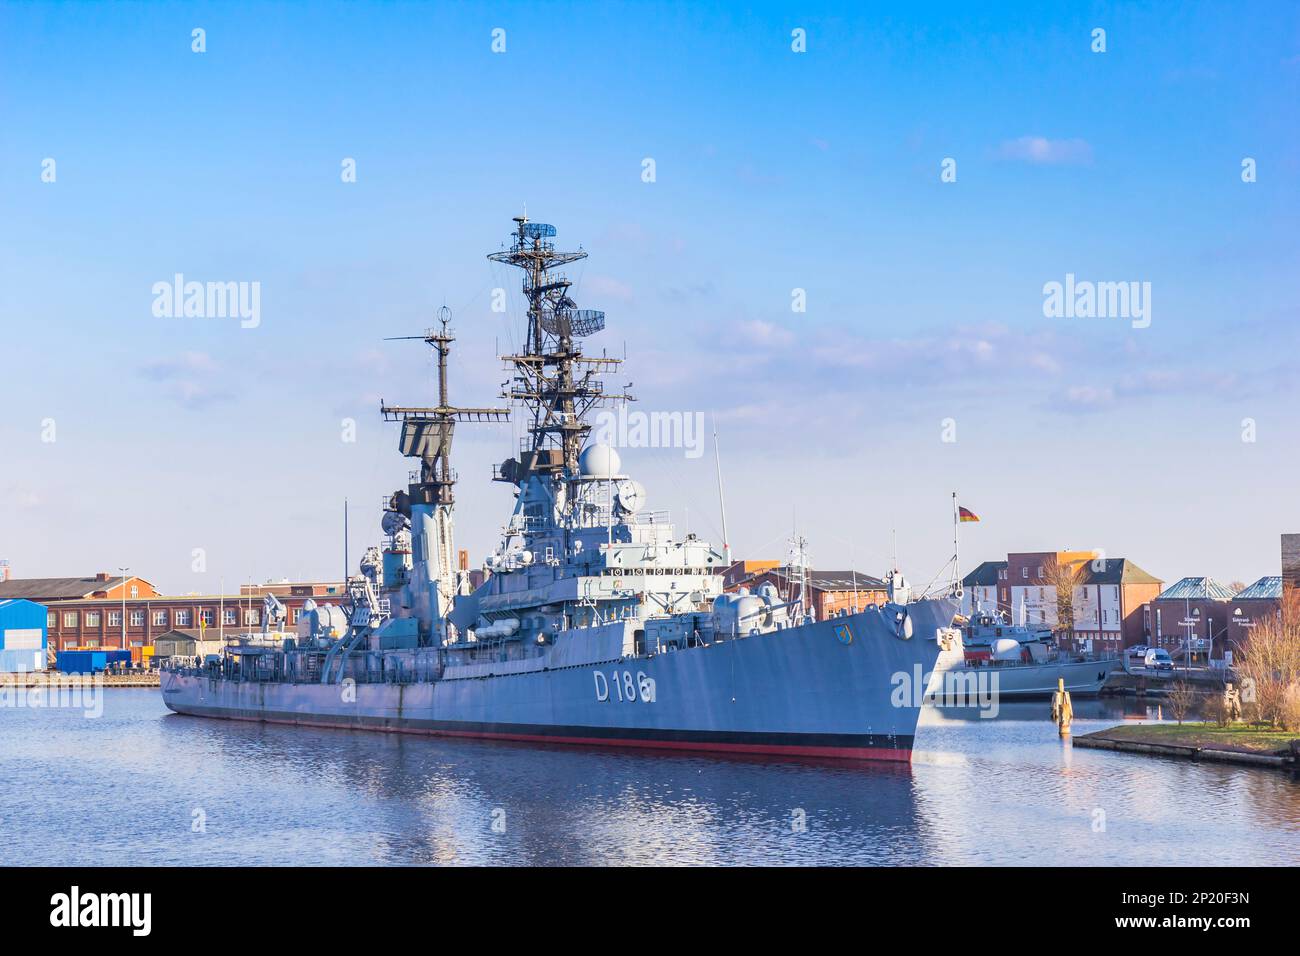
[(833, 592), (1249, 606), (1193, 609), (102, 586), (97, 622), (1110, 605)]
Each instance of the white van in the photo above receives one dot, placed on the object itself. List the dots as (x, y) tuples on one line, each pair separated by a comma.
[(1158, 659)]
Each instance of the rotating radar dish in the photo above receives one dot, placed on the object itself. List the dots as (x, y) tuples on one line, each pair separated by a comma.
[(575, 322), (393, 522), (630, 495)]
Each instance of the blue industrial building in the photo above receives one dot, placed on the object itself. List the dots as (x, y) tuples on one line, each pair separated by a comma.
[(23, 636)]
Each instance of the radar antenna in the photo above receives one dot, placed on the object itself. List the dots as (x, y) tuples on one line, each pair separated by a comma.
[(426, 435), (427, 432), (552, 378)]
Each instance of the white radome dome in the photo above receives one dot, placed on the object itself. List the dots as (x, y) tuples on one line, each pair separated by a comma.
[(599, 461)]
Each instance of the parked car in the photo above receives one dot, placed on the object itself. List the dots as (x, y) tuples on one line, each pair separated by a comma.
[(1135, 657)]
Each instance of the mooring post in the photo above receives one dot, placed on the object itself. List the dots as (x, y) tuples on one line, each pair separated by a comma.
[(1062, 710)]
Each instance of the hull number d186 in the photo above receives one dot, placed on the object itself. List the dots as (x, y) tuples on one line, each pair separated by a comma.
[(622, 686)]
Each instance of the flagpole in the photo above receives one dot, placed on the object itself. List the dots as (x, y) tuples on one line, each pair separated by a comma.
[(956, 547)]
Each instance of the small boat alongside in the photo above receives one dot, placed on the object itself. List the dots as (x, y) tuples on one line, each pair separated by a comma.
[(1016, 660)]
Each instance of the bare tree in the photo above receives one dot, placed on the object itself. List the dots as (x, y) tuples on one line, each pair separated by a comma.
[(1182, 697), (1215, 709), (1269, 667), (1064, 577)]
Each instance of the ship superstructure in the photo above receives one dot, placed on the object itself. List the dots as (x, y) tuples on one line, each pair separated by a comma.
[(596, 623)]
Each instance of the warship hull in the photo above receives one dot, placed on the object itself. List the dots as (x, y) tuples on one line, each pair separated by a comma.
[(838, 689)]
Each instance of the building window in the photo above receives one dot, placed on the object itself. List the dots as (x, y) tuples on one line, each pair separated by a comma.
[(1024, 573), (182, 618), (207, 616), (114, 618), (92, 642), (92, 619), (135, 591), (293, 616), (69, 618), (229, 616), (137, 618), (252, 616), (160, 618)]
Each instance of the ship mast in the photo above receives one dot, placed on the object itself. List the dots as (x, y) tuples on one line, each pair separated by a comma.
[(426, 435), (552, 378)]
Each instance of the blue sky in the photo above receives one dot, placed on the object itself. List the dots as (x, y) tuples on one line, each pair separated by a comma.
[(775, 170)]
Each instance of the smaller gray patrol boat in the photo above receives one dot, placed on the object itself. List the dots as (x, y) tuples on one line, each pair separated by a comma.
[(1026, 660)]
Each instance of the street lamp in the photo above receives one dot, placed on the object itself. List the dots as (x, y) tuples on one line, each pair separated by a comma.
[(124, 570)]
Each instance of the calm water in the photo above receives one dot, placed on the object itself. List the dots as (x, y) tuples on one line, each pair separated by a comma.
[(125, 789)]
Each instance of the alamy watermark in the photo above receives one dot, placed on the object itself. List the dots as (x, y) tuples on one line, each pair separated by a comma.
[(637, 429), (952, 688), (209, 300), (82, 692), (1098, 300)]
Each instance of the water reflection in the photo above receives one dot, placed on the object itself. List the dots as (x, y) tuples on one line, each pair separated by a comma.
[(143, 786)]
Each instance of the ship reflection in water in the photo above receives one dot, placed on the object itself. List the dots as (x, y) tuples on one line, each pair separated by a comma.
[(141, 786)]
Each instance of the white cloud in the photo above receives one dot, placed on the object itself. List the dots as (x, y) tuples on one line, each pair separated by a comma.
[(187, 378), (1044, 151), (598, 287), (764, 334)]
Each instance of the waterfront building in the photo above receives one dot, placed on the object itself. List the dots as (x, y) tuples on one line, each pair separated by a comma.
[(94, 623), (830, 592), (986, 588), (1193, 611), (1251, 605), (23, 636), (739, 571), (1032, 595), (101, 586), (1108, 604)]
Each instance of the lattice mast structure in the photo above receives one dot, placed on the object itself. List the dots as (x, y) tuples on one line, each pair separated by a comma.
[(551, 377)]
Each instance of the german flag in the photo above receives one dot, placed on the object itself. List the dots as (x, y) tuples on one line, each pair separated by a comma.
[(965, 514)]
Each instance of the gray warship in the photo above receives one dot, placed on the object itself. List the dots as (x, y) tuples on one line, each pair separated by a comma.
[(596, 625)]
